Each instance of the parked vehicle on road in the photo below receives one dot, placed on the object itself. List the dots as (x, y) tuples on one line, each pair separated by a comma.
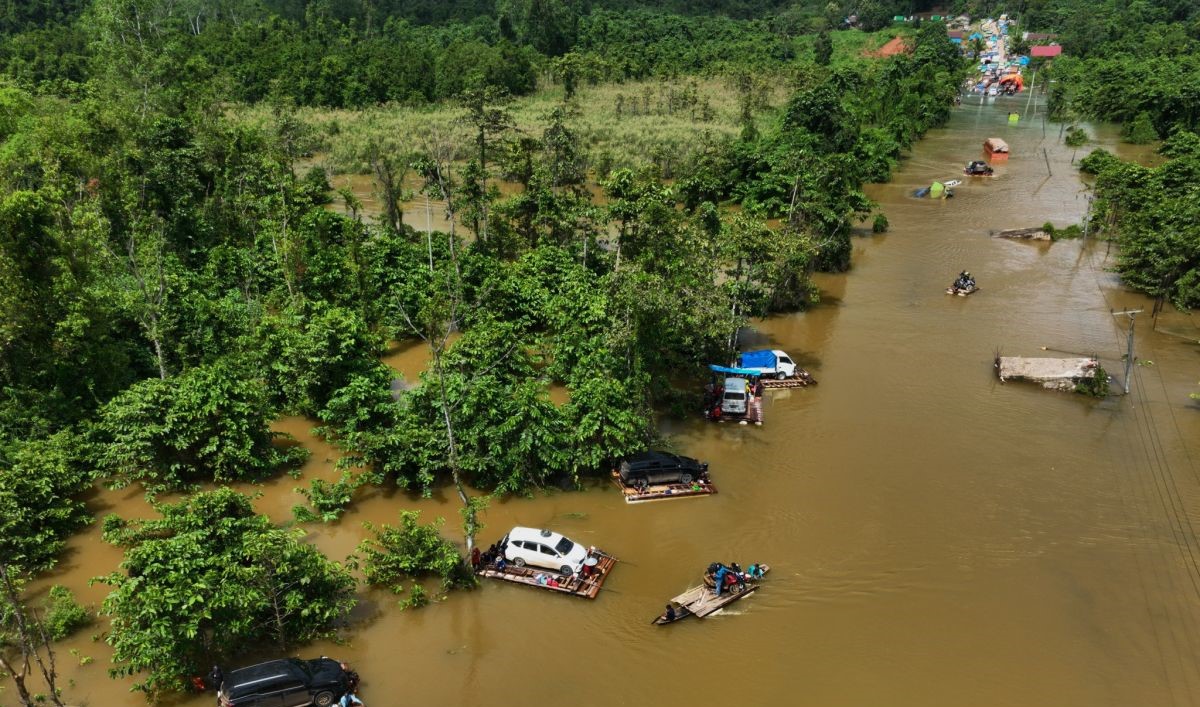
[(543, 548), (289, 682)]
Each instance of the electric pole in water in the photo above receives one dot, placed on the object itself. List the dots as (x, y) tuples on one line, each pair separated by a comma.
[(1128, 343)]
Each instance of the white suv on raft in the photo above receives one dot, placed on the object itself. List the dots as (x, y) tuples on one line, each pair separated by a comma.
[(543, 548)]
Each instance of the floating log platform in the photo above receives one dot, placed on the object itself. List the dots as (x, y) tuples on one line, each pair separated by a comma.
[(1053, 373), (803, 379), (575, 585), (701, 602), (1032, 234), (663, 492)]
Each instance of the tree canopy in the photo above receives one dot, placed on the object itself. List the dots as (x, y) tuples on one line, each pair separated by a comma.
[(211, 579)]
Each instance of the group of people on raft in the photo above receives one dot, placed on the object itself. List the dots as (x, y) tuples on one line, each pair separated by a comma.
[(489, 557), (964, 282), (722, 576)]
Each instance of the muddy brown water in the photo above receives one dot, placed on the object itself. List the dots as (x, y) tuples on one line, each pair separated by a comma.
[(936, 537)]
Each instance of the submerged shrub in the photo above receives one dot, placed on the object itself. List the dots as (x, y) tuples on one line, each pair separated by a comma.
[(1096, 386), (64, 615), (410, 551), (1076, 137), (1140, 130)]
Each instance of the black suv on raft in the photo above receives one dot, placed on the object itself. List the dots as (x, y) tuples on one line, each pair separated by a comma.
[(661, 468), (289, 682)]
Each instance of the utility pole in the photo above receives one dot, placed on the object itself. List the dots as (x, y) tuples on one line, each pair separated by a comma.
[(1128, 344), (1032, 88), (1087, 220)]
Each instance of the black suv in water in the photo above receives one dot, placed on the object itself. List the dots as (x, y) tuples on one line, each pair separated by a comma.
[(661, 468), (290, 682)]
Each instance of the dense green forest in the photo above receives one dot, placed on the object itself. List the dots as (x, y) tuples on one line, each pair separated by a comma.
[(1124, 61), (172, 279), (1137, 64)]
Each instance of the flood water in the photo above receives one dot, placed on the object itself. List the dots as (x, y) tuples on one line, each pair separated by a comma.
[(936, 537)]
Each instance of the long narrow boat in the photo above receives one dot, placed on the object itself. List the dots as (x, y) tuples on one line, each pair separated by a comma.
[(700, 601)]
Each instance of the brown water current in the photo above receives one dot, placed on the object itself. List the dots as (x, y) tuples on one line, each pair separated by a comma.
[(936, 537)]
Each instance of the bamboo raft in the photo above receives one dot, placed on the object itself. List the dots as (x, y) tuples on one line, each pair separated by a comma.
[(803, 379), (701, 602), (754, 413), (663, 492), (576, 585)]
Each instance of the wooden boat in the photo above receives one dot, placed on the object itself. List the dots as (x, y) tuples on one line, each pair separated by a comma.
[(701, 602), (996, 148), (961, 291)]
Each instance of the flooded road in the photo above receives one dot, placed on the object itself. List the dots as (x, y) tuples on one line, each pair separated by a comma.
[(936, 537)]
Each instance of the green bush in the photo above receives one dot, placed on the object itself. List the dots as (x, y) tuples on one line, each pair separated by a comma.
[(1095, 387), (1140, 130), (64, 615), (880, 225), (1098, 161), (1076, 137), (327, 501), (406, 552)]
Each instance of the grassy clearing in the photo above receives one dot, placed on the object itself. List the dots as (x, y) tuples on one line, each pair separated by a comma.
[(660, 123), (654, 122)]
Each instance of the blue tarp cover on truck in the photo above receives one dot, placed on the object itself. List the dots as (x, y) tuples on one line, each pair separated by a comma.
[(757, 359), (733, 371)]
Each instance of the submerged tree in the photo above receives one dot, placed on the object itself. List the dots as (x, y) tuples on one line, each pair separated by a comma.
[(211, 580), (25, 642)]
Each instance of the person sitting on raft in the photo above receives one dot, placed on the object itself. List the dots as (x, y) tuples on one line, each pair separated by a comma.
[(964, 281)]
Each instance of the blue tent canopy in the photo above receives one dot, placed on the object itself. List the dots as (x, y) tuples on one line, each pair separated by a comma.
[(975, 35), (733, 371), (1023, 61)]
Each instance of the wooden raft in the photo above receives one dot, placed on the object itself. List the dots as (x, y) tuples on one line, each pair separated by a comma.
[(754, 413), (700, 601), (662, 492), (577, 585), (803, 379)]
